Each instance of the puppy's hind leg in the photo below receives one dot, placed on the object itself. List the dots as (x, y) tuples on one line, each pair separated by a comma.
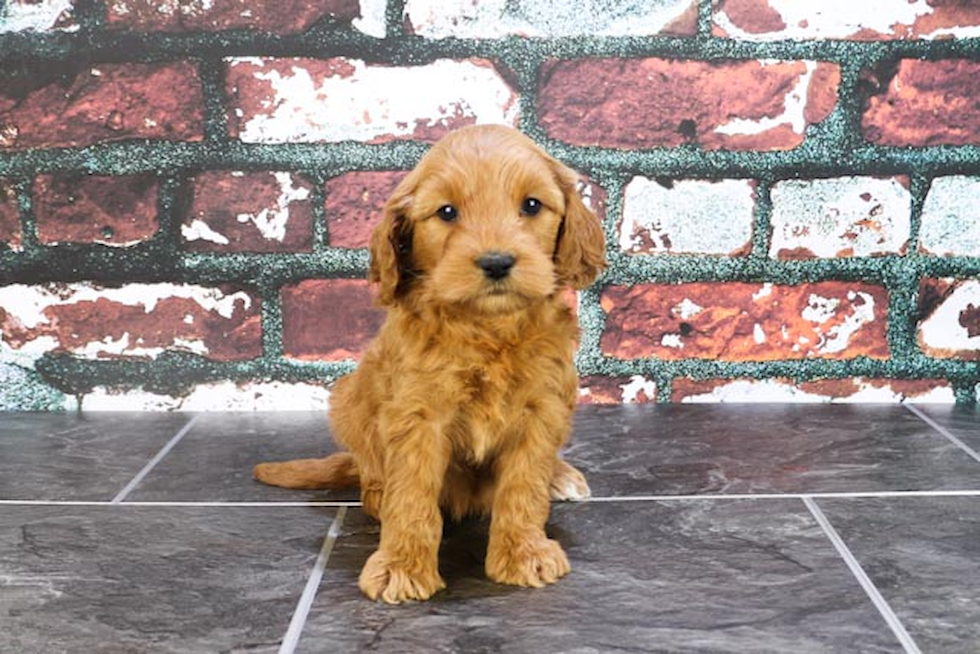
[(568, 484)]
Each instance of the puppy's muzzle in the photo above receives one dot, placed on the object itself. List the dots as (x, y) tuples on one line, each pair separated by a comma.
[(496, 265)]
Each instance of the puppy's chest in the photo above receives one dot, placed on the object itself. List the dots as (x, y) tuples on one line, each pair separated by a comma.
[(490, 410)]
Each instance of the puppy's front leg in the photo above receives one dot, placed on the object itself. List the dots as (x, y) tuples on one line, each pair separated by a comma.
[(519, 552), (406, 564)]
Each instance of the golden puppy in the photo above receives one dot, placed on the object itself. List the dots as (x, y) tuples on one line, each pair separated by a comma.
[(464, 398)]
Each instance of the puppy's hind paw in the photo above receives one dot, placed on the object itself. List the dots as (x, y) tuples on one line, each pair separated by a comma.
[(383, 578), (568, 484)]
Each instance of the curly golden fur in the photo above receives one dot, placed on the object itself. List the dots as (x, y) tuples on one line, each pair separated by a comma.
[(464, 398)]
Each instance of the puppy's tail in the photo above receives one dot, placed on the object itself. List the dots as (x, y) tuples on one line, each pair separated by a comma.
[(334, 472)]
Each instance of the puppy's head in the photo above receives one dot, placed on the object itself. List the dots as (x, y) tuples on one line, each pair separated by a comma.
[(486, 219)]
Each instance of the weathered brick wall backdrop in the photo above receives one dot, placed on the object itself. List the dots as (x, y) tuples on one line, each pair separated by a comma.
[(790, 190)]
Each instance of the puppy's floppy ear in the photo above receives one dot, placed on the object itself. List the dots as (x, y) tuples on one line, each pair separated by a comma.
[(580, 254), (391, 245)]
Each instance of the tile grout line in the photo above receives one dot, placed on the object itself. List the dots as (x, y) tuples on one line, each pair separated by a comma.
[(869, 588), (134, 482), (335, 504), (779, 496), (202, 504), (298, 621), (924, 417)]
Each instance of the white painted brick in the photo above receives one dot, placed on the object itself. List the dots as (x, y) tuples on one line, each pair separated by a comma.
[(689, 217), (220, 396), (635, 389), (953, 328), (37, 16), (839, 217), (951, 217), (310, 101), (854, 391), (844, 19), (372, 20), (488, 19)]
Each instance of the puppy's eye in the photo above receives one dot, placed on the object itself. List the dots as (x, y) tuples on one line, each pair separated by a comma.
[(531, 207), (447, 213)]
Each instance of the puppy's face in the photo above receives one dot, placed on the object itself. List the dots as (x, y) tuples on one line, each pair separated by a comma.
[(485, 224), (486, 220)]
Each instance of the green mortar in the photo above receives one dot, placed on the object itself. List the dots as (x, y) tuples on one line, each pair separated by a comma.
[(832, 148), (25, 390)]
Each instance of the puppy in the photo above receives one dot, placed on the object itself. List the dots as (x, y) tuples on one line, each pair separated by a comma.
[(464, 398)]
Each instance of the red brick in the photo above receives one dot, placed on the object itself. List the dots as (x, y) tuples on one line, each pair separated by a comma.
[(57, 106), (752, 16), (135, 320), (925, 103), (881, 390), (825, 390), (328, 319), (645, 103), (9, 216), (945, 19), (769, 20), (746, 322), (250, 212), (111, 210), (283, 17), (355, 202), (616, 390)]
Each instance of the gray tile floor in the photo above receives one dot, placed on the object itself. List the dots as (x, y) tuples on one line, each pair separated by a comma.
[(719, 528)]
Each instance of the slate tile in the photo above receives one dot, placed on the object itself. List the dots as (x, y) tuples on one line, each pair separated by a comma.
[(677, 450), (679, 576), (160, 579), (923, 555), (71, 456), (214, 461)]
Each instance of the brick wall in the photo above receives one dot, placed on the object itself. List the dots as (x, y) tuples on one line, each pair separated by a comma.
[(791, 191)]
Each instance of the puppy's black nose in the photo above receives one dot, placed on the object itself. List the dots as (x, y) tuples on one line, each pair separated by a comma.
[(496, 265)]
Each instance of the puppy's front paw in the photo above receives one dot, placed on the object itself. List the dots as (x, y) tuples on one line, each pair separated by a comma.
[(395, 582), (533, 562)]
